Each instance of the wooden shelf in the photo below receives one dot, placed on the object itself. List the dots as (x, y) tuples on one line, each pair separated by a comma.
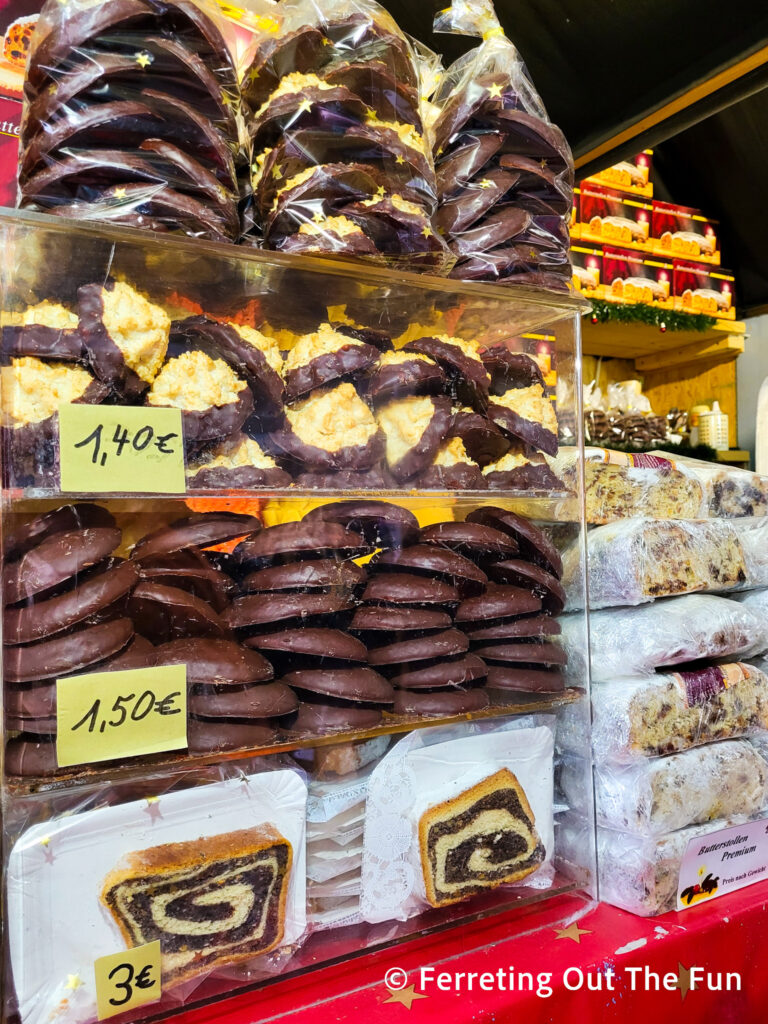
[(733, 455), (653, 350)]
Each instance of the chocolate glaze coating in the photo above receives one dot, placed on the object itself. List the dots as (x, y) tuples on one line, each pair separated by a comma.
[(384, 622), (433, 561), (524, 574), (265, 700), (422, 454), (464, 160), (496, 603), (325, 369), (208, 737), (510, 369), (104, 356), (532, 654), (317, 719), (204, 581), (457, 673), (503, 225), (533, 542), (356, 457), (403, 652), (531, 626), (468, 206), (381, 523), (311, 642), (38, 727), (64, 519), (257, 612), (323, 574), (40, 342), (242, 478), (44, 618), (299, 541), (163, 613), (440, 702), (404, 588), (473, 540), (470, 377), (412, 378), (302, 50), (57, 558), (27, 757), (66, 654), (532, 477), (380, 340), (372, 81), (199, 530), (216, 422), (214, 663), (528, 431), (361, 685), (461, 477), (502, 679), (482, 439)]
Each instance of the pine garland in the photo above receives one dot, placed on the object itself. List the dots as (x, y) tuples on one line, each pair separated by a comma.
[(640, 313)]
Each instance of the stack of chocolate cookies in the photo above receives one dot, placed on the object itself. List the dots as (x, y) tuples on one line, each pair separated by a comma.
[(65, 612), (505, 185), (132, 117), (511, 625), (300, 583), (340, 160)]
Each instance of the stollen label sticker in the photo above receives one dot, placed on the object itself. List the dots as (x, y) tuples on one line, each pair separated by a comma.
[(723, 861), (701, 685), (107, 716), (134, 449), (128, 979)]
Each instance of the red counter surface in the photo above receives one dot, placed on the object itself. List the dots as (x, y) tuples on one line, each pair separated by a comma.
[(607, 947)]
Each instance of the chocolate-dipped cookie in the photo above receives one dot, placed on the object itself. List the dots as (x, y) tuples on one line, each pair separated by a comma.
[(539, 581), (323, 575), (238, 463), (361, 685), (447, 644), (255, 613), (482, 439), (190, 571), (426, 559), (208, 736), (28, 757), (527, 415), (93, 597), (467, 671), (410, 590), (337, 235), (461, 361), (469, 156), (68, 653), (529, 628), (304, 101), (526, 655), (503, 679), (442, 703), (521, 470), (315, 647), (533, 542), (504, 224), (510, 369), (301, 541), (266, 700), (322, 358), (473, 201), (214, 401), (381, 523), (414, 428), (381, 340), (46, 330), (474, 540), (498, 604), (332, 429), (396, 374), (373, 82), (163, 613), (452, 469), (318, 719), (303, 50), (379, 624), (199, 530), (65, 519), (56, 559), (213, 664)]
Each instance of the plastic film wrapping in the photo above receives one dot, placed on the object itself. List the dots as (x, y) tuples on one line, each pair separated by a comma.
[(730, 492), (658, 795), (504, 171), (637, 641), (341, 163), (132, 115)]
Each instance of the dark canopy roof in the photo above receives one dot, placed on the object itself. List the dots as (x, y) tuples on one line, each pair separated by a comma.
[(686, 77)]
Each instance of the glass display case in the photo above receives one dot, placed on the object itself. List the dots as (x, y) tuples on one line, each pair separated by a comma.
[(282, 679)]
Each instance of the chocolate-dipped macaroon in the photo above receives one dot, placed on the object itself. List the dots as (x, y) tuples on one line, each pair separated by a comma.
[(521, 470), (414, 428), (396, 374), (238, 463), (461, 361), (452, 469), (323, 357), (527, 415)]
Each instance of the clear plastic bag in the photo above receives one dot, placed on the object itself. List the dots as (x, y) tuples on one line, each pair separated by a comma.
[(731, 493), (663, 794), (504, 171), (637, 641), (632, 561), (83, 856), (756, 602), (664, 714), (131, 115), (341, 163)]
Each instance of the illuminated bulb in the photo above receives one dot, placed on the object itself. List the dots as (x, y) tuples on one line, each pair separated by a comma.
[(662, 327)]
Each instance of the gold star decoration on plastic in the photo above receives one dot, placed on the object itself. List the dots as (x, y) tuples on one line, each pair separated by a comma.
[(572, 932), (426, 231), (405, 996), (543, 164), (74, 982), (486, 183), (400, 159), (318, 216), (305, 106), (381, 191), (276, 172), (253, 74), (684, 981), (143, 59), (120, 193), (495, 90)]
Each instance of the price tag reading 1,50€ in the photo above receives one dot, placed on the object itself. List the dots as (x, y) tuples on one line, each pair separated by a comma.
[(107, 715), (107, 448), (128, 979)]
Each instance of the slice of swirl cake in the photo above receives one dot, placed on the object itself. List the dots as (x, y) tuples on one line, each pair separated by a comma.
[(478, 840), (210, 901)]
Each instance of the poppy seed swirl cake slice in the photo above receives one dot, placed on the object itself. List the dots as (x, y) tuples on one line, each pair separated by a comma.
[(480, 839), (210, 901)]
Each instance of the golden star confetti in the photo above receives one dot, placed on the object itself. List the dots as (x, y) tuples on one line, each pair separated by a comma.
[(381, 191), (543, 165), (572, 932), (253, 74), (405, 996), (120, 193), (305, 106), (318, 217), (326, 42), (74, 982), (143, 59), (684, 981), (495, 90), (426, 231), (400, 159), (276, 172), (486, 183)]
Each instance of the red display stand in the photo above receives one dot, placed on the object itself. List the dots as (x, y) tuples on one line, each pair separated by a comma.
[(723, 939)]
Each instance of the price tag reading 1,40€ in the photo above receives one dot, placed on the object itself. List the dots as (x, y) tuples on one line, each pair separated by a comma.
[(128, 979), (107, 715), (107, 448)]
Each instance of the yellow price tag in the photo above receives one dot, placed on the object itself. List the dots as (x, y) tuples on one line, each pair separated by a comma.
[(128, 979), (107, 448), (104, 716)]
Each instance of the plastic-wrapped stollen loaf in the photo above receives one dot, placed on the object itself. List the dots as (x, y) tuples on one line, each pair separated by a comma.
[(663, 794), (663, 714), (636, 641), (729, 492), (636, 560), (618, 485)]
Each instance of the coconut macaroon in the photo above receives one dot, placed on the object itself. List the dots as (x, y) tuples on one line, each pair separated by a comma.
[(453, 469), (330, 234), (414, 428), (404, 373), (252, 355), (214, 401), (331, 429), (31, 391), (293, 84), (461, 361), (322, 357), (124, 334), (46, 330), (527, 415), (521, 470), (238, 463)]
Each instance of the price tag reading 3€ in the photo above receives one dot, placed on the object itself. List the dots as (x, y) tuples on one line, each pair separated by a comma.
[(128, 979), (106, 715), (109, 448)]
